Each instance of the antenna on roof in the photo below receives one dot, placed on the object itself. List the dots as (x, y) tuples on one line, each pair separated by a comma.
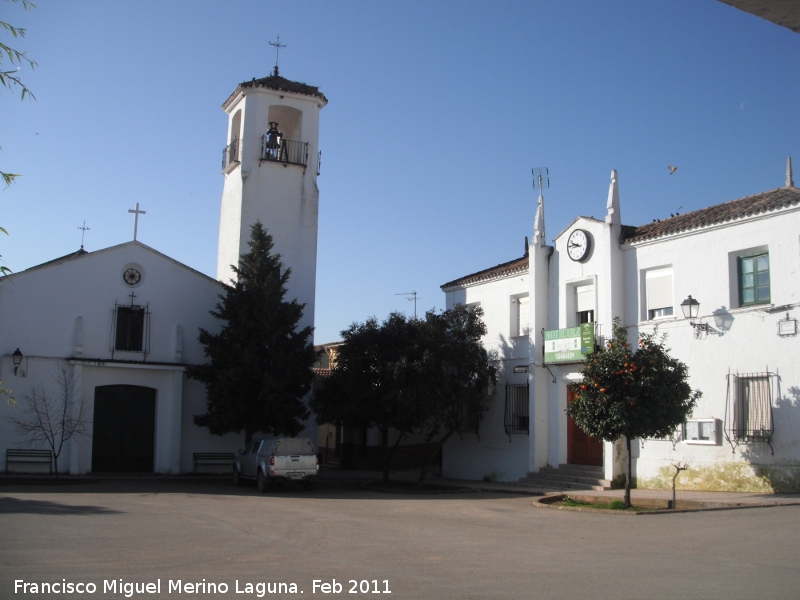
[(541, 181), (789, 180), (414, 298), (83, 232), (278, 47)]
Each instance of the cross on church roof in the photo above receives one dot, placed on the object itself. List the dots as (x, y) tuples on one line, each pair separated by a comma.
[(278, 47), (83, 232), (136, 213)]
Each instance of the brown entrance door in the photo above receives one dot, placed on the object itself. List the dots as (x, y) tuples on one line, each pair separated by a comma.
[(582, 449)]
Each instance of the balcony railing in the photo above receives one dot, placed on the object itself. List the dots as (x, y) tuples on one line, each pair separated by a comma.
[(230, 154), (284, 151)]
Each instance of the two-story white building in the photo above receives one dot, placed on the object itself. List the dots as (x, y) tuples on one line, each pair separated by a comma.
[(545, 311)]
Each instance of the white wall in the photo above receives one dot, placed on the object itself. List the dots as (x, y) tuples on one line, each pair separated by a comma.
[(492, 454), (741, 340)]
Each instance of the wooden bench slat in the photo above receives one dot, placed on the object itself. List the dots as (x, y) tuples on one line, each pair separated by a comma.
[(22, 455), (212, 458)]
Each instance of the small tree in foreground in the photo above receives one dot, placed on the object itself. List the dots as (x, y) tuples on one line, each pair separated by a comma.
[(456, 369), (259, 367), (373, 383), (635, 394), (51, 418)]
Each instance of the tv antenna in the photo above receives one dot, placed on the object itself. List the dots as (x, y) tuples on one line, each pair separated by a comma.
[(413, 297), (541, 178)]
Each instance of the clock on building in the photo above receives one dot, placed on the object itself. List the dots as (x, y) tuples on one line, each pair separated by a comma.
[(579, 244)]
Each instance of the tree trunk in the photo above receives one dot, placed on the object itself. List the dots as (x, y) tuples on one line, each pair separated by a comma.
[(628, 474), (385, 453), (424, 473), (55, 461)]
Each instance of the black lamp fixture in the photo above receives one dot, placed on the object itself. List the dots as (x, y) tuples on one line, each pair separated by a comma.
[(17, 357), (691, 308)]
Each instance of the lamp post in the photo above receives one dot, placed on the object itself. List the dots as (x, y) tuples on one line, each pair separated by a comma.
[(691, 308), (17, 358)]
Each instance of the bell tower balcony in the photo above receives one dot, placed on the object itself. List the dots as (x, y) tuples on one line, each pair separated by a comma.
[(288, 152)]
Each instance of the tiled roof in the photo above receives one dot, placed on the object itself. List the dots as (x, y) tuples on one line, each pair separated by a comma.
[(281, 84), (506, 268), (720, 213), (64, 258), (320, 375)]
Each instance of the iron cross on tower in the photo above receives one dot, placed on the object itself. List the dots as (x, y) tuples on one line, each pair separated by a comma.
[(278, 47), (136, 212), (83, 229)]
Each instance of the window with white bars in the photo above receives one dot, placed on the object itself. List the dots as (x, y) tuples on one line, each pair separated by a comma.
[(658, 293)]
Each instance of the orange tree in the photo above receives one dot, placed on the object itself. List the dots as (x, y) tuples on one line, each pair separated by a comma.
[(632, 393)]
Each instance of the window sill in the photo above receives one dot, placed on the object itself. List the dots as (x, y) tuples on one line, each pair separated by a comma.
[(231, 167), (765, 307)]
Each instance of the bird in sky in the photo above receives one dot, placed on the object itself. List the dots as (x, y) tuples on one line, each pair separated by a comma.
[(672, 169)]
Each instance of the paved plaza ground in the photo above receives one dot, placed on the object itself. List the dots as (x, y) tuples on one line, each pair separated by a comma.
[(472, 544)]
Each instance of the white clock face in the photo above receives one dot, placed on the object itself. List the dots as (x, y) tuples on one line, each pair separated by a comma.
[(578, 245)]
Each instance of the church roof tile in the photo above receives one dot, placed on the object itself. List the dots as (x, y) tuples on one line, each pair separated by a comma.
[(281, 84)]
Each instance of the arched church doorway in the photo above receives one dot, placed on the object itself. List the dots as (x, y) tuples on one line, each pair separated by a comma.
[(124, 429)]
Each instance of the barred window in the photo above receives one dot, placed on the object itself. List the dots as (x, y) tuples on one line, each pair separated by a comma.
[(516, 418), (130, 329), (468, 422), (748, 412)]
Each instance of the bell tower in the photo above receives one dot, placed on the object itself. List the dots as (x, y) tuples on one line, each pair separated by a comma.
[(270, 164)]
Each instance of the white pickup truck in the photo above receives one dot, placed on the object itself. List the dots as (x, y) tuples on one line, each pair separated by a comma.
[(282, 459)]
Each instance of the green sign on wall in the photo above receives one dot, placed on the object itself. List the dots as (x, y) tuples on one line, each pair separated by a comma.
[(568, 345)]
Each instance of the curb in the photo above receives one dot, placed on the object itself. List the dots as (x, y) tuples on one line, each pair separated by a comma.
[(548, 501)]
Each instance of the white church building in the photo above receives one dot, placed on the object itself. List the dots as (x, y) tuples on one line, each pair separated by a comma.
[(123, 321), (737, 264)]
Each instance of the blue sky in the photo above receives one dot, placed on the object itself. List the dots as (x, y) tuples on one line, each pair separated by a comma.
[(437, 113)]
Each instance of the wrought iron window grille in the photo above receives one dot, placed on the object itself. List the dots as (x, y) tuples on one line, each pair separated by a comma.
[(130, 329), (517, 418), (748, 409), (468, 421)]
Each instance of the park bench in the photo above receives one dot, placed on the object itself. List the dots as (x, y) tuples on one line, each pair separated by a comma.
[(21, 456), (212, 458)]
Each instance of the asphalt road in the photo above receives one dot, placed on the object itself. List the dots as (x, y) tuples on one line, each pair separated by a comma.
[(465, 545)]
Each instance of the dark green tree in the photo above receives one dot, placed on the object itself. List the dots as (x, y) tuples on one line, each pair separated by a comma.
[(635, 394), (454, 373), (260, 364), (373, 382)]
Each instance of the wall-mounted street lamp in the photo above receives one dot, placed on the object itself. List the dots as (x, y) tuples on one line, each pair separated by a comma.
[(17, 357), (691, 308)]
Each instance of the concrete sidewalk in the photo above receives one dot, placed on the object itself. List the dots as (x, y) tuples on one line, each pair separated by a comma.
[(690, 499)]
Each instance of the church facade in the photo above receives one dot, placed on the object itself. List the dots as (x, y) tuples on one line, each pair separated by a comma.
[(736, 262), (113, 331)]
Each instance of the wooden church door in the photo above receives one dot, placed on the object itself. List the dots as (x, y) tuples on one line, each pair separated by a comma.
[(123, 439), (582, 449)]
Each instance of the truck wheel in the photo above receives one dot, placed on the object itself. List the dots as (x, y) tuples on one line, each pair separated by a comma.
[(309, 485), (262, 481), (237, 479)]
